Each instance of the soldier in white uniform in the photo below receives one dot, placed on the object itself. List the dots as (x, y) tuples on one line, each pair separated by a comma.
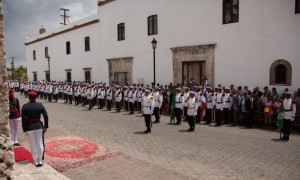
[(178, 105), (131, 96), (289, 114), (192, 110), (158, 99), (118, 99), (219, 99), (126, 91), (139, 99), (185, 99), (227, 106), (148, 106), (209, 105), (108, 98)]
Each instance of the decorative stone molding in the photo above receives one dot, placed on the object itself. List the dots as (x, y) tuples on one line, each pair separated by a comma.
[(199, 53), (87, 69), (68, 70), (288, 73), (119, 65)]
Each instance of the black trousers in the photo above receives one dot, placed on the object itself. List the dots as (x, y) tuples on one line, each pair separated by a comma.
[(185, 112), (49, 97), (140, 107), (191, 121), (148, 121), (118, 106), (219, 114), (131, 107), (208, 115), (108, 102), (56, 97), (126, 105), (178, 115), (286, 128), (156, 112), (70, 98), (226, 115), (198, 116)]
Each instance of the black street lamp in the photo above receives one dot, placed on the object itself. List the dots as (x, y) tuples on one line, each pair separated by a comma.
[(154, 44), (48, 57)]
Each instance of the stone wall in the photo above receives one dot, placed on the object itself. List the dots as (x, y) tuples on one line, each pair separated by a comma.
[(119, 65), (6, 154), (191, 54)]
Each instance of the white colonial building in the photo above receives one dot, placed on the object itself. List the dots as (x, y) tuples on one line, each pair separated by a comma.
[(241, 42)]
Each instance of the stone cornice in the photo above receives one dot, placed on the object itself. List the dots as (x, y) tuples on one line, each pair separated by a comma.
[(64, 31), (101, 3), (193, 47)]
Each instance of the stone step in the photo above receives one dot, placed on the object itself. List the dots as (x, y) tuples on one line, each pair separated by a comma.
[(27, 171)]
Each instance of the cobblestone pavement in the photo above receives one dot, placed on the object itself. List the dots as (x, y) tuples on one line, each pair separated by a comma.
[(170, 151)]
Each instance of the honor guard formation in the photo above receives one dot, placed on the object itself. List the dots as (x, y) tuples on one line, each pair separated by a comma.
[(194, 103)]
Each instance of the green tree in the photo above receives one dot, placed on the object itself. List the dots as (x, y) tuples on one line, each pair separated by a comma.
[(20, 73)]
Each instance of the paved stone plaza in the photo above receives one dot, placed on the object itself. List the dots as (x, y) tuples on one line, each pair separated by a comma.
[(170, 152)]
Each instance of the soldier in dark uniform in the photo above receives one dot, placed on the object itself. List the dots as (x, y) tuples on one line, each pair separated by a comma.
[(34, 128), (14, 115)]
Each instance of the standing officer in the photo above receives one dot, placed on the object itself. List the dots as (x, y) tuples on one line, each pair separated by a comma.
[(192, 110), (34, 128), (219, 106), (178, 105), (158, 98), (209, 105), (148, 106), (289, 107), (185, 98), (14, 115)]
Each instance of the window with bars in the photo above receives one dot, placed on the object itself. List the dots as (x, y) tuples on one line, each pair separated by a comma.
[(68, 47), (34, 55), (87, 43), (230, 11), (121, 31), (152, 25), (280, 74), (46, 52)]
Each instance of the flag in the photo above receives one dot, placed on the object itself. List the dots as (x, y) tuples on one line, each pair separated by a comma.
[(279, 121), (172, 115), (193, 85)]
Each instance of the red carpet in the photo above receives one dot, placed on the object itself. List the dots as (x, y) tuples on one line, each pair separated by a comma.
[(66, 153), (22, 154)]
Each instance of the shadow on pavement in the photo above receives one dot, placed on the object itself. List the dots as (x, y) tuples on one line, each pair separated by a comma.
[(278, 140), (182, 130), (139, 132)]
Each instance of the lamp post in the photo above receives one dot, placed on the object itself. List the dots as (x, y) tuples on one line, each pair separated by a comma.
[(48, 57), (154, 44)]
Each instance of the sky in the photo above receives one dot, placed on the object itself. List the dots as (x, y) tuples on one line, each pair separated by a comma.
[(23, 19)]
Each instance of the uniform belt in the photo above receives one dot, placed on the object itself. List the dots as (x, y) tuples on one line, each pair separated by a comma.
[(192, 108), (156, 100), (147, 106), (209, 101), (178, 102), (228, 101), (287, 110), (219, 102), (34, 120)]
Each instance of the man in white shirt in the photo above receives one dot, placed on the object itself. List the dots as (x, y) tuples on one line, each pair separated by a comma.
[(148, 106)]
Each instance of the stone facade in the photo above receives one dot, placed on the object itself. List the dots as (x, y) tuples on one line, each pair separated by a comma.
[(120, 65), (6, 153), (288, 72), (204, 53)]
